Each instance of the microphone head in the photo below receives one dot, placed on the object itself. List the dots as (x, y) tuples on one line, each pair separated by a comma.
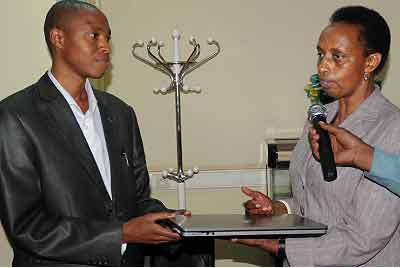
[(316, 110)]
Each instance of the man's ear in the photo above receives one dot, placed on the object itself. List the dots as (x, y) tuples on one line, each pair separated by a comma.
[(57, 38), (372, 62)]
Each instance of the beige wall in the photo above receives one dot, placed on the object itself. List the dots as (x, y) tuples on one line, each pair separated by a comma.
[(268, 54), (256, 83), (22, 43), (24, 59)]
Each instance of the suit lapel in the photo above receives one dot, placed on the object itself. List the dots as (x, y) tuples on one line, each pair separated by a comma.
[(61, 119), (114, 148)]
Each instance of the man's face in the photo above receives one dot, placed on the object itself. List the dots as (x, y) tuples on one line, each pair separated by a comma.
[(86, 49)]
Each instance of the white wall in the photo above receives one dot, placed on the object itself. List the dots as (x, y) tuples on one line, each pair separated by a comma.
[(24, 59), (268, 54), (25, 55), (256, 83)]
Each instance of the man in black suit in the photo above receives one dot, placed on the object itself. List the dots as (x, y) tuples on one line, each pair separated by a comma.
[(74, 185)]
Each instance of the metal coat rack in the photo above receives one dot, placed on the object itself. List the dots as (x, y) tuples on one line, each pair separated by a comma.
[(176, 70)]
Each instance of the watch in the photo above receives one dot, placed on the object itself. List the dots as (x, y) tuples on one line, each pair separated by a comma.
[(281, 248)]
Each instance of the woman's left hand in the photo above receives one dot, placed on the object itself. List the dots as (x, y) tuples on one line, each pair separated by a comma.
[(270, 245)]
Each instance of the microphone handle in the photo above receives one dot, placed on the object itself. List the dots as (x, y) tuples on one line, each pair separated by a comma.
[(325, 153)]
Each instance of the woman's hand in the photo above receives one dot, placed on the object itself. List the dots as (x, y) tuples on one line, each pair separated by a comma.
[(270, 245), (260, 204)]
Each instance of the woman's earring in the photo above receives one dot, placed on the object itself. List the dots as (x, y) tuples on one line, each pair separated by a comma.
[(366, 76)]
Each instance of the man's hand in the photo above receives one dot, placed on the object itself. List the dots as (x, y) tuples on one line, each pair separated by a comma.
[(260, 204), (349, 149), (146, 230), (270, 245)]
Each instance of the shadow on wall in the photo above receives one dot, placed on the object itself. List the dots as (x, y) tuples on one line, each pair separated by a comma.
[(381, 77)]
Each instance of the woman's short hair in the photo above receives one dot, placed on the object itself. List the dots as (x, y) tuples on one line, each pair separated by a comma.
[(375, 32)]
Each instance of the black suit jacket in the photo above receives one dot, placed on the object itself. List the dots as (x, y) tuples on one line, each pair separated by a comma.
[(54, 206)]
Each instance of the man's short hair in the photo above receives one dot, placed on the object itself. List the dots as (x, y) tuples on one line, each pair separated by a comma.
[(59, 14)]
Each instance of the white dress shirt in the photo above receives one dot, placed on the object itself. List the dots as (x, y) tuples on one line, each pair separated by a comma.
[(92, 128)]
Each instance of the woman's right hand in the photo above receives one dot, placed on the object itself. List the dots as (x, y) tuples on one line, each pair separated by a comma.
[(259, 204)]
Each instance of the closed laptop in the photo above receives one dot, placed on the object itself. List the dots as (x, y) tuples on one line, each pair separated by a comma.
[(234, 225)]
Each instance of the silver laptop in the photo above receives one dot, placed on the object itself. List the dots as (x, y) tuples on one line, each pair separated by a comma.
[(233, 225)]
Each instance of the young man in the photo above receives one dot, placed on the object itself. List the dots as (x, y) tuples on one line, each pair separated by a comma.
[(74, 187)]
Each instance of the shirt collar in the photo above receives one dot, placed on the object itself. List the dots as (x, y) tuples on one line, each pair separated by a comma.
[(88, 87)]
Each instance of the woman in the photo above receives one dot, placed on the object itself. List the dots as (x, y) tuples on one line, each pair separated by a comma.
[(381, 167), (363, 218)]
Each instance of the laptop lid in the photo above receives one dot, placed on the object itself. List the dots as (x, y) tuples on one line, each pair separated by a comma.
[(233, 225)]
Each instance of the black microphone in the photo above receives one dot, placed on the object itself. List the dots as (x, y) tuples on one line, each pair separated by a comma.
[(317, 113)]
